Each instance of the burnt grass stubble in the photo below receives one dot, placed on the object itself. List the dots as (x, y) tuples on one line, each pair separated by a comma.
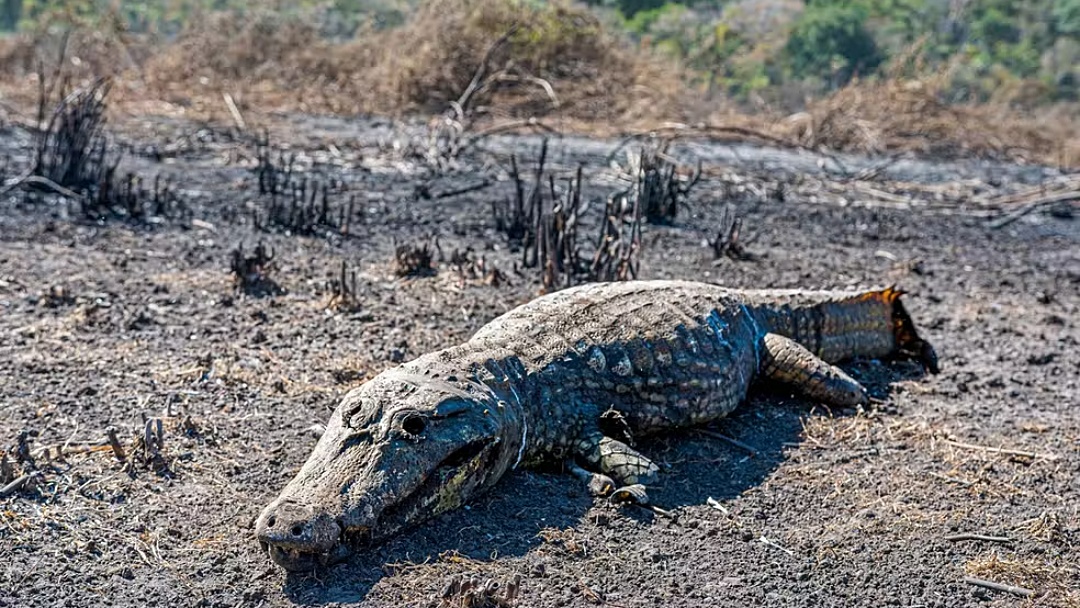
[(157, 404)]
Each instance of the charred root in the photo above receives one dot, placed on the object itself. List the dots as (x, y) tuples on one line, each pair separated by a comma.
[(148, 450), (659, 188), (470, 269), (251, 273), (728, 242), (274, 168), (19, 468), (296, 204), (414, 260), (344, 294)]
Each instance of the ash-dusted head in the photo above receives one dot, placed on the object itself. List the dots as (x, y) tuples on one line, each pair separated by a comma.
[(398, 450)]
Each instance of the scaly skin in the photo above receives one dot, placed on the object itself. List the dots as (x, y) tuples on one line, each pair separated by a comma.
[(571, 376)]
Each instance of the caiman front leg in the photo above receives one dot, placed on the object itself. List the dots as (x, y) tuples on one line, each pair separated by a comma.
[(611, 463), (785, 361)]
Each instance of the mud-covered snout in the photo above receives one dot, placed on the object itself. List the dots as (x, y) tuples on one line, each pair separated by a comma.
[(297, 536)]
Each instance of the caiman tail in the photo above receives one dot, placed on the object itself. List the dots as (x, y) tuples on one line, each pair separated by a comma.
[(838, 325)]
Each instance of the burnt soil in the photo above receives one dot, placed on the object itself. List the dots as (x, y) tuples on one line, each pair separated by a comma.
[(110, 323)]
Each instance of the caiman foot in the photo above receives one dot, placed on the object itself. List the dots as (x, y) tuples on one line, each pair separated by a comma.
[(597, 483), (624, 464), (623, 470), (633, 494)]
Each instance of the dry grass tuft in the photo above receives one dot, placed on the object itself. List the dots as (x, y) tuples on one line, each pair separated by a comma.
[(559, 63), (414, 259), (431, 61), (559, 59), (1055, 580), (1049, 527), (911, 115)]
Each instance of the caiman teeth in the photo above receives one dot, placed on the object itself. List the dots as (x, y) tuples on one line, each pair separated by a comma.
[(293, 559)]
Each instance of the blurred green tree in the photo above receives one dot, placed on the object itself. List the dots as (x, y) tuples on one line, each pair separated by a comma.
[(1066, 17), (831, 41), (10, 14)]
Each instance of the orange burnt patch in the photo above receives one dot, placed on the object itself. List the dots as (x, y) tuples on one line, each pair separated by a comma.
[(908, 341)]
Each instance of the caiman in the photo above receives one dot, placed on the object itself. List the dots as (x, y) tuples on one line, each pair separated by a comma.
[(569, 377)]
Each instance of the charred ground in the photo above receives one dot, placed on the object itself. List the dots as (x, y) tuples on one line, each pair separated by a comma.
[(217, 332)]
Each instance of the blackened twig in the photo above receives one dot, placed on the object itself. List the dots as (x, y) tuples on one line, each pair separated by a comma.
[(1014, 590), (16, 485), (735, 442)]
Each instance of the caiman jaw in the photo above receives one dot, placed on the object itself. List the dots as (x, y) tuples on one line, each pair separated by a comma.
[(441, 490), (297, 539), (296, 560)]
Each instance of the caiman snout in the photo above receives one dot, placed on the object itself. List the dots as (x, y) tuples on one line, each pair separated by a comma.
[(297, 537)]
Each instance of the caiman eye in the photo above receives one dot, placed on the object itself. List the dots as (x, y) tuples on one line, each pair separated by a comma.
[(413, 424)]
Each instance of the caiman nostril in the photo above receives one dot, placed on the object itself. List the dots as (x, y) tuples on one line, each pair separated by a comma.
[(291, 529)]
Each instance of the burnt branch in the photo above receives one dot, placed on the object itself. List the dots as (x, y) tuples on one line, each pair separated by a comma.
[(467, 268), (251, 273), (658, 186), (72, 159), (415, 260), (517, 218), (616, 257), (294, 203), (71, 147), (344, 294), (728, 242), (544, 219)]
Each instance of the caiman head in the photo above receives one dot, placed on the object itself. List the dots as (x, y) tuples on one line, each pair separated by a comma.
[(398, 450)]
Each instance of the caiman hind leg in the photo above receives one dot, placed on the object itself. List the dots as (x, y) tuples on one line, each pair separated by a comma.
[(785, 361)]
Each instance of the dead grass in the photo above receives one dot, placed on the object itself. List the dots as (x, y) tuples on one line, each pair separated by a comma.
[(1044, 576), (592, 75), (456, 581), (263, 60), (66, 56), (560, 64), (568, 541), (910, 115), (559, 60)]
